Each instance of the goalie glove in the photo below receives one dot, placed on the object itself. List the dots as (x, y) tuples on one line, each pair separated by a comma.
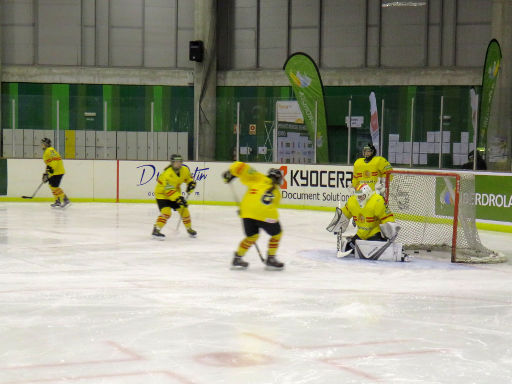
[(45, 177), (191, 186), (380, 188), (338, 222), (228, 176), (390, 230)]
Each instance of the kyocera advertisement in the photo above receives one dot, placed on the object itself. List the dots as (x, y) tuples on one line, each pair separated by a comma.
[(315, 185)]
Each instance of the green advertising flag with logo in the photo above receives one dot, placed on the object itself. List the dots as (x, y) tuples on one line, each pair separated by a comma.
[(489, 78), (309, 91)]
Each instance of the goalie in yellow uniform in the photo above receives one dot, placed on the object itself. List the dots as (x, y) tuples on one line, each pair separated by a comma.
[(374, 220), (168, 196), (54, 173), (371, 169), (258, 209)]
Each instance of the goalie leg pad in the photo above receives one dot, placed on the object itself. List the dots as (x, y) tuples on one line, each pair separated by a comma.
[(393, 252)]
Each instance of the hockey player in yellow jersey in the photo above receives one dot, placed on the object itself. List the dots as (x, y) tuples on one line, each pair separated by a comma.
[(371, 169), (258, 209), (168, 196), (54, 173), (370, 212)]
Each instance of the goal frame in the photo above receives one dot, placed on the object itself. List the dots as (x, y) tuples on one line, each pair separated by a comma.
[(456, 198)]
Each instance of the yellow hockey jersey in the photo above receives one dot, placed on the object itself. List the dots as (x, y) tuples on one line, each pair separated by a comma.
[(262, 198), (53, 160), (369, 173), (168, 184), (368, 219)]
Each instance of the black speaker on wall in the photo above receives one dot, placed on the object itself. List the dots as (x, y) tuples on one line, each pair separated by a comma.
[(196, 51)]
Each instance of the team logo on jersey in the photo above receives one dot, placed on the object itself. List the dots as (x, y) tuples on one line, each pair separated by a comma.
[(267, 198), (361, 219), (367, 173)]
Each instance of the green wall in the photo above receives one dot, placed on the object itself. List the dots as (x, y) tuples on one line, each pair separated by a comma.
[(129, 109), (128, 106), (257, 104)]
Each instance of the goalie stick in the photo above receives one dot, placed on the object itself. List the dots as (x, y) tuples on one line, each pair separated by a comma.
[(339, 225), (238, 204), (35, 192)]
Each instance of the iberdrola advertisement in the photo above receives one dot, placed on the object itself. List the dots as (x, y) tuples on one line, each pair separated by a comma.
[(309, 91)]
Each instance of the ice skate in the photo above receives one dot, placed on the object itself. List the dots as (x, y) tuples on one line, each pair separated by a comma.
[(191, 232), (272, 264), (65, 202), (157, 234), (238, 263), (56, 204)]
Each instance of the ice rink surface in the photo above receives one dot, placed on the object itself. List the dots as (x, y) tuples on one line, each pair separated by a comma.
[(88, 297)]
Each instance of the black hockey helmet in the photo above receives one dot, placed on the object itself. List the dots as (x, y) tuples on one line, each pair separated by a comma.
[(46, 141), (174, 159), (276, 175), (371, 148)]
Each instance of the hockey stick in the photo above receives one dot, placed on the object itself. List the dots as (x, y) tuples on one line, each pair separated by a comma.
[(238, 204), (37, 189)]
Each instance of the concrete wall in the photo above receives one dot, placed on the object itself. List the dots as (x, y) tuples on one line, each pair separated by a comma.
[(353, 33), (120, 33), (251, 33), (354, 77)]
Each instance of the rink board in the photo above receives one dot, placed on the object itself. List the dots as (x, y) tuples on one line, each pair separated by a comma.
[(305, 186), (107, 180)]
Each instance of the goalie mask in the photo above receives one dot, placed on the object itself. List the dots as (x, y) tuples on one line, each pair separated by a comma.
[(363, 194), (276, 176)]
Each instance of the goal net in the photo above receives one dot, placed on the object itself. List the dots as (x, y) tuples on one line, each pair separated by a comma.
[(436, 211)]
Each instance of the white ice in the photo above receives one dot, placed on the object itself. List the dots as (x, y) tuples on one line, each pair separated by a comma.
[(88, 297)]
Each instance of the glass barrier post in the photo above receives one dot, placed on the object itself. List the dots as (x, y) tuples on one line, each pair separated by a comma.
[(381, 149), (316, 132), (475, 132), (274, 147), (349, 126), (13, 122), (441, 132), (105, 111), (57, 133), (237, 131), (152, 127), (412, 132)]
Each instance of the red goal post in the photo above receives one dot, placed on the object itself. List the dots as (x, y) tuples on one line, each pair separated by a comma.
[(436, 211)]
